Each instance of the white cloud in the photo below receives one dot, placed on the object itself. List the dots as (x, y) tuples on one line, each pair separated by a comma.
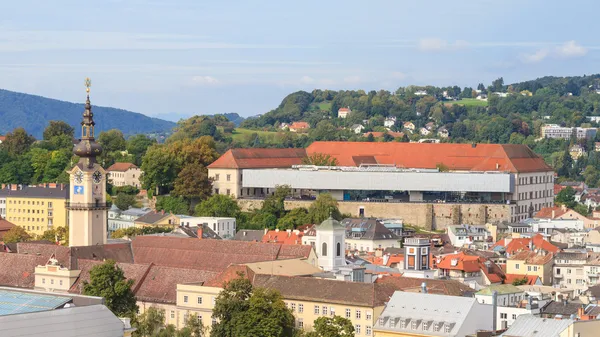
[(571, 49), (436, 44), (536, 57), (204, 80)]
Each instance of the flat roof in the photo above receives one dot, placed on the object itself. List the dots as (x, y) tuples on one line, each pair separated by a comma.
[(18, 302)]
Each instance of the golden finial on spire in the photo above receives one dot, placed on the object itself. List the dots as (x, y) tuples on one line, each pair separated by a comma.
[(88, 84)]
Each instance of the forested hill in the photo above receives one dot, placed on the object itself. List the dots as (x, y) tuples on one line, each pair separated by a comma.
[(34, 112)]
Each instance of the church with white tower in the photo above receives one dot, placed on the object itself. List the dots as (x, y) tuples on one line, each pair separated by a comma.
[(330, 244)]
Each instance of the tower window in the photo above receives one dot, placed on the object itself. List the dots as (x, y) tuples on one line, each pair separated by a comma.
[(324, 249), (339, 249)]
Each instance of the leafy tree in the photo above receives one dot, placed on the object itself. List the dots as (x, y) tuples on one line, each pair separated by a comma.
[(175, 205), (293, 219), (193, 328), (335, 326), (108, 280), (17, 142), (134, 231), (125, 201), (275, 203), (137, 146), (57, 129), (193, 183), (498, 85), (112, 140), (151, 323), (218, 205), (244, 311), (581, 209), (127, 189), (320, 159), (519, 281), (566, 197), (370, 138), (16, 234), (259, 220), (322, 208)]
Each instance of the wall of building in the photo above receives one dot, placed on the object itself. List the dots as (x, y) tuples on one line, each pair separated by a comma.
[(370, 245), (519, 267), (131, 177), (429, 216), (226, 180), (36, 215), (532, 190)]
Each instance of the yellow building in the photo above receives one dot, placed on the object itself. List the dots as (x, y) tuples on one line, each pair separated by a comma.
[(36, 208), (532, 263)]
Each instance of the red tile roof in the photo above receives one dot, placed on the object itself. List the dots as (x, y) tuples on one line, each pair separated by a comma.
[(229, 274), (546, 212), (531, 279), (532, 257), (5, 226), (482, 157), (285, 237), (558, 188), (121, 167), (17, 270), (299, 125), (259, 158), (494, 273), (213, 255), (460, 261), (135, 272), (443, 287), (522, 244)]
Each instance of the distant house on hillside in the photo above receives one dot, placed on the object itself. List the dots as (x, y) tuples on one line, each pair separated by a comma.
[(409, 126), (421, 92), (500, 94), (357, 128), (424, 131), (2, 138), (389, 121), (443, 132), (576, 151), (284, 126), (343, 112), (299, 126)]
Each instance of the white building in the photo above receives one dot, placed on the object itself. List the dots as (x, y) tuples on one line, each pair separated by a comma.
[(421, 92), (330, 242), (389, 121), (411, 314), (547, 226), (576, 271), (469, 236), (118, 219), (224, 227), (367, 235), (424, 131), (344, 112), (557, 131), (511, 303), (357, 128), (443, 132)]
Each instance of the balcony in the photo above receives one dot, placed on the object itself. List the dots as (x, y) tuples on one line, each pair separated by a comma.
[(558, 275), (87, 206)]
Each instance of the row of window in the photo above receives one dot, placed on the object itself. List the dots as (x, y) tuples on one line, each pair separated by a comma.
[(186, 316), (535, 180), (505, 316), (34, 228), (198, 299), (414, 325), (17, 219), (536, 207), (217, 176), (535, 194), (29, 211), (60, 282), (29, 202)]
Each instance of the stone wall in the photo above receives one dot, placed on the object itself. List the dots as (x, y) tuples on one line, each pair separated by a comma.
[(428, 216)]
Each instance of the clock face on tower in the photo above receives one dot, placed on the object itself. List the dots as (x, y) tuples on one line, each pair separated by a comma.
[(78, 177), (97, 177)]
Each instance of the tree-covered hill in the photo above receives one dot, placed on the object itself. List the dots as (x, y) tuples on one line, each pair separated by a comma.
[(34, 112)]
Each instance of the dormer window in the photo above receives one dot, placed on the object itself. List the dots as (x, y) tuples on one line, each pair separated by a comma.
[(413, 325)]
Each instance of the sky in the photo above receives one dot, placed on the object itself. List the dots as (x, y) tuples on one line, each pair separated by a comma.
[(176, 58)]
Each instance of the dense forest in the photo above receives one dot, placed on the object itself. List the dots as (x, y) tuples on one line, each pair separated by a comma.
[(34, 112)]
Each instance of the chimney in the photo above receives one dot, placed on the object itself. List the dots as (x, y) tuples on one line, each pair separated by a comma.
[(13, 187), (276, 230), (266, 231), (244, 233), (162, 212), (494, 310), (424, 288), (580, 312), (386, 258), (200, 231), (378, 252), (553, 214)]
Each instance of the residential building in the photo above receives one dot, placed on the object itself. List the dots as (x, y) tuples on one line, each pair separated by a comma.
[(532, 263), (409, 126), (357, 128), (224, 227), (344, 112), (118, 219), (469, 236), (443, 132), (507, 229), (418, 314), (417, 258), (421, 92), (557, 131), (36, 208), (577, 271), (510, 246), (429, 285), (157, 219), (124, 174), (516, 180), (367, 235), (511, 303), (576, 151), (389, 122), (564, 213), (299, 127), (530, 325), (424, 131), (560, 309), (571, 238), (468, 269)]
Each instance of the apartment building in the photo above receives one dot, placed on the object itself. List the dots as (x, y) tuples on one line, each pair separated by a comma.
[(557, 131), (577, 271), (124, 174), (36, 208), (224, 227), (532, 263), (118, 219)]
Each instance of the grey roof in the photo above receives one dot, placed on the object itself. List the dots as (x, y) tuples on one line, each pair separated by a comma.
[(566, 309), (192, 232), (17, 302), (93, 320), (330, 224), (152, 217), (249, 235), (131, 211), (531, 326), (37, 192), (430, 309), (368, 229)]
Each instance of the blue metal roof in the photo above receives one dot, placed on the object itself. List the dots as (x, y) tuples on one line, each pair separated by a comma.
[(17, 302)]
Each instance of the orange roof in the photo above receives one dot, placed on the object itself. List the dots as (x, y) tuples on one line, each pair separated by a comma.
[(460, 261), (558, 188), (546, 212), (533, 257), (285, 237), (531, 279), (2, 138), (522, 244), (299, 125), (121, 167), (494, 274), (344, 109), (259, 158), (481, 157)]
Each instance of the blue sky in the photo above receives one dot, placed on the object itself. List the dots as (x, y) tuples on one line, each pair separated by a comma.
[(183, 57)]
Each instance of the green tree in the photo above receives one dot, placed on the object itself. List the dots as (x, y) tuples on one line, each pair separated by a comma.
[(519, 281), (581, 209), (244, 311), (293, 219), (193, 183), (275, 203), (137, 146), (320, 159), (16, 234), (108, 280), (335, 326), (566, 197), (127, 189), (218, 205), (125, 201), (151, 323), (112, 140), (17, 142), (324, 206), (58, 128), (175, 205)]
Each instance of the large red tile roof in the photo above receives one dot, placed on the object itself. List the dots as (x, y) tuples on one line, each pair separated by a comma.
[(546, 212), (121, 167), (532, 257), (229, 274), (516, 245), (285, 237), (259, 158), (299, 125), (213, 255), (17, 270), (482, 157), (5, 226), (531, 279), (460, 261), (442, 287)]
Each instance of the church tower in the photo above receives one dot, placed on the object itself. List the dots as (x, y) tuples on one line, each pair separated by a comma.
[(331, 245), (87, 204)]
